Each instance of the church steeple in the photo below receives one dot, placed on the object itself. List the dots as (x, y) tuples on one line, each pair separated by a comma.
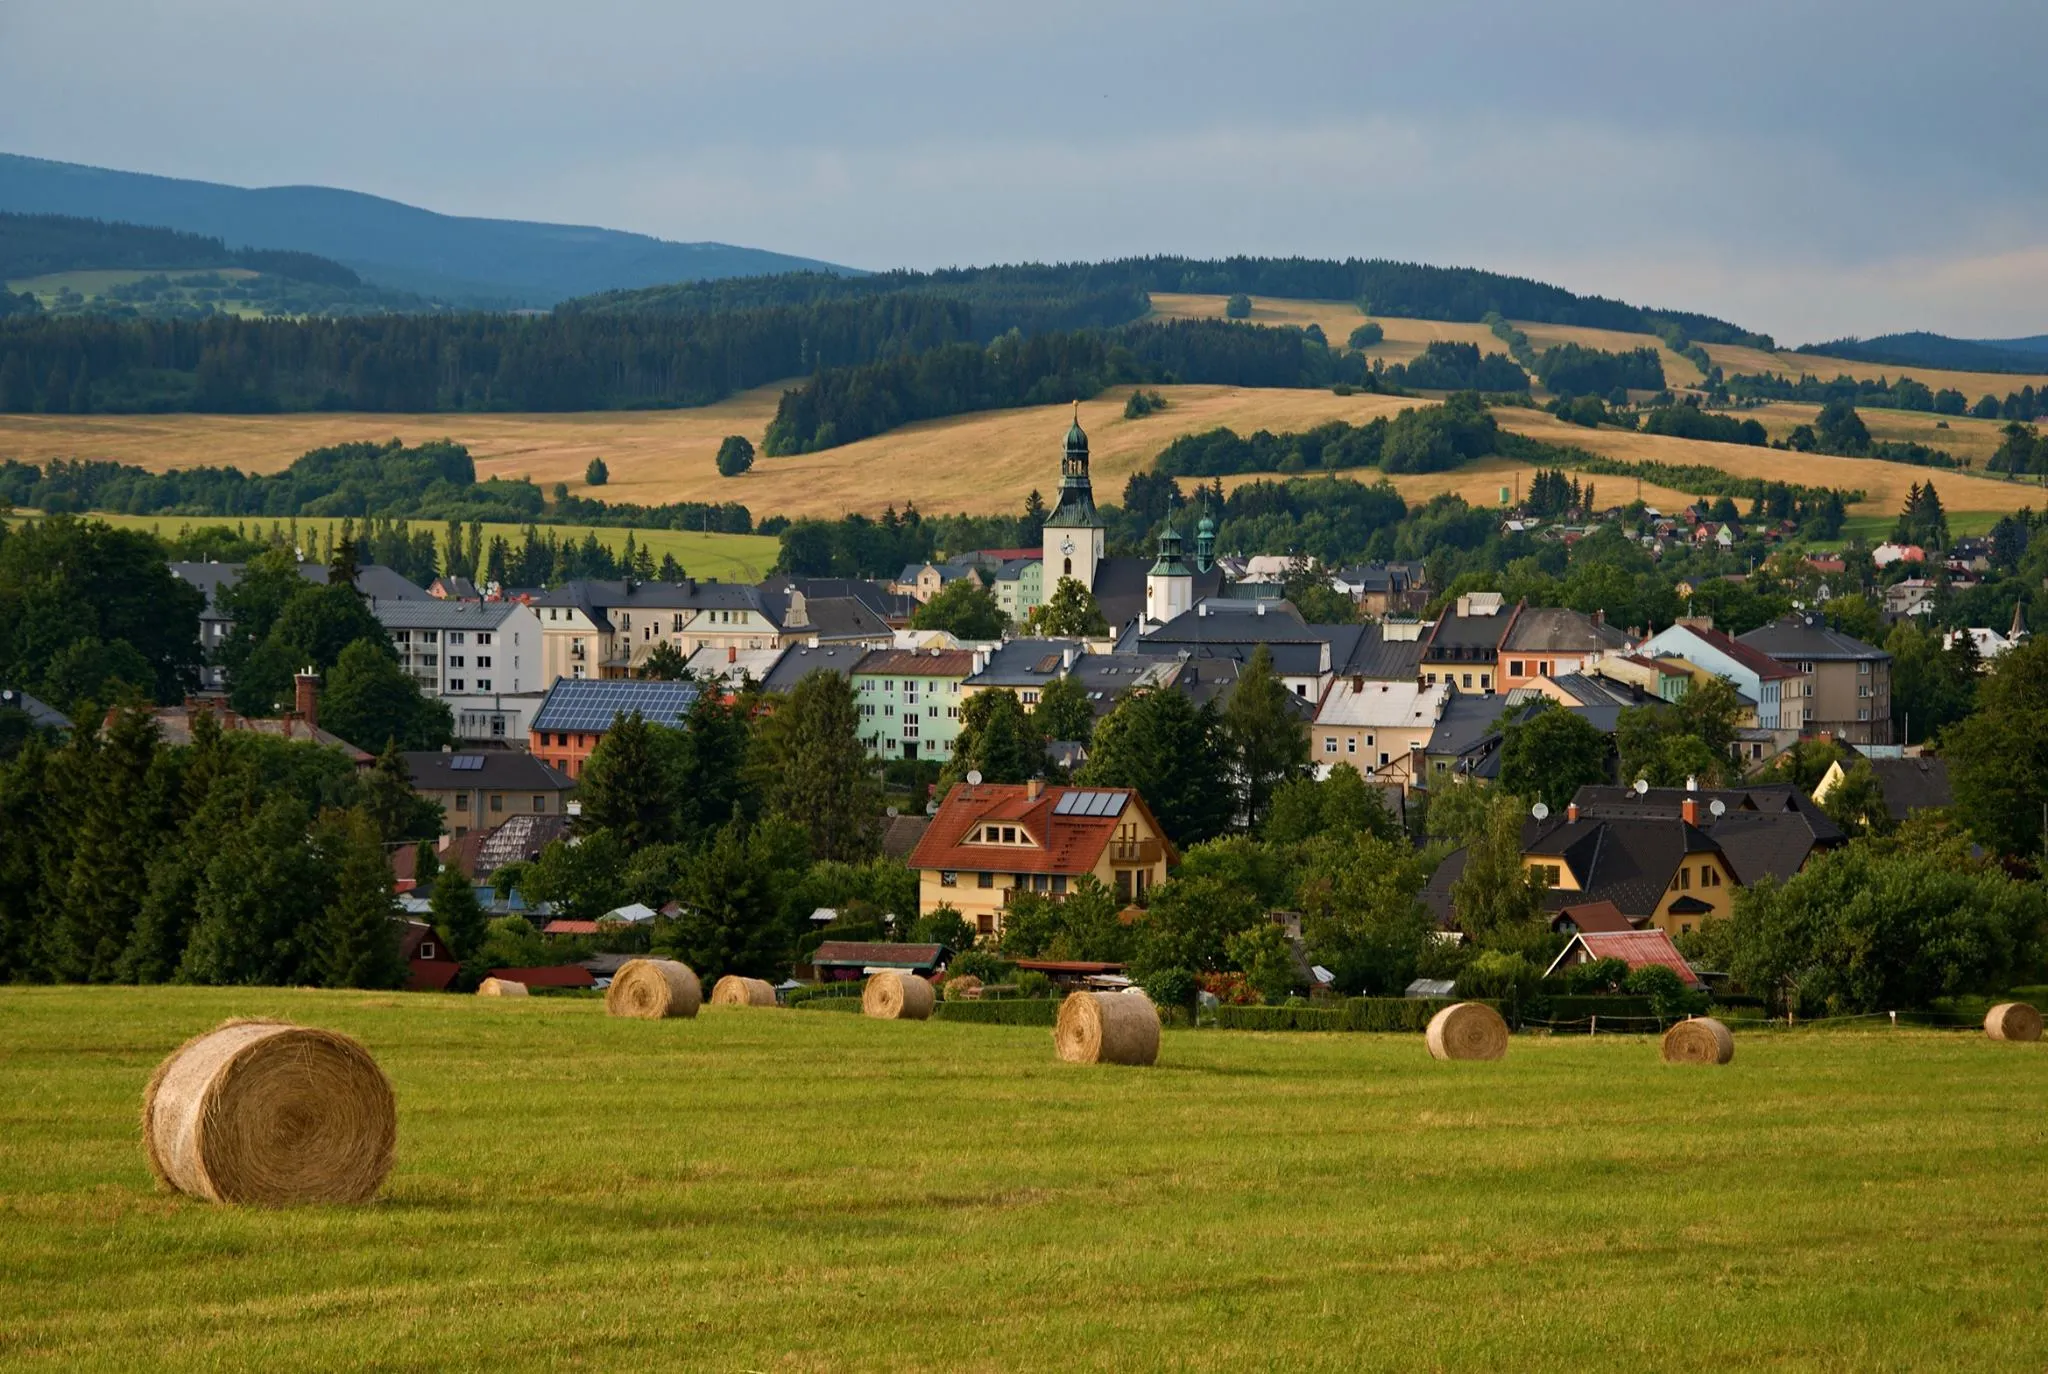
[(1074, 534), (1205, 540), (1170, 586)]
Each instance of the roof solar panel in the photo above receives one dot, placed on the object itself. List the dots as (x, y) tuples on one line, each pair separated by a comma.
[(593, 704), (467, 763)]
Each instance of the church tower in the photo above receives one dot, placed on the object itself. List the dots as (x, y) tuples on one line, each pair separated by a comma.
[(1074, 534), (1170, 586), (1205, 541)]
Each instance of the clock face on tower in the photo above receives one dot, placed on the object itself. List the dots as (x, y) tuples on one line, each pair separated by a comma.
[(1067, 544)]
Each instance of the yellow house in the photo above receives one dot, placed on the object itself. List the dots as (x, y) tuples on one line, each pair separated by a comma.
[(994, 839)]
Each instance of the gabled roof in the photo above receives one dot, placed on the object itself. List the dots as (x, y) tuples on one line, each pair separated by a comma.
[(174, 726), (1748, 655), (434, 613), (1636, 948), (1917, 784), (1069, 828), (1593, 916), (1373, 655), (945, 663), (1808, 637), (492, 770), (41, 714), (1558, 629), (1370, 704), (519, 840), (870, 954), (801, 660)]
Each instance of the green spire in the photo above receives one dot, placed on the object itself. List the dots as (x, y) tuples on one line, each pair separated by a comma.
[(1170, 564)]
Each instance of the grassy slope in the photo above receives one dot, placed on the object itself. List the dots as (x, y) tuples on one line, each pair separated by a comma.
[(800, 1190)]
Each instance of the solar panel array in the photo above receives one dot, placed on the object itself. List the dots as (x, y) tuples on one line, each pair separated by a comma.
[(466, 763), (1105, 804), (592, 704)]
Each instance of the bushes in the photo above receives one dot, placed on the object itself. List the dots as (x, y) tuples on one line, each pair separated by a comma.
[(1277, 1018), (1016, 1011), (982, 964), (1569, 1008)]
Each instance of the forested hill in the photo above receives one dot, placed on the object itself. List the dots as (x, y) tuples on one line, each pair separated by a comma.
[(1922, 349), (36, 245), (481, 262), (1099, 291)]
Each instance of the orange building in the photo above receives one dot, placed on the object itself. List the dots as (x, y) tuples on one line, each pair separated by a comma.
[(578, 711)]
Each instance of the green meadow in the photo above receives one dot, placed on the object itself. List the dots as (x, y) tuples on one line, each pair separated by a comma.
[(764, 1189), (728, 557)]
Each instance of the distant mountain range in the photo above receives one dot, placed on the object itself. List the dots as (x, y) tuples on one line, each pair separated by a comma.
[(1922, 349), (479, 262)]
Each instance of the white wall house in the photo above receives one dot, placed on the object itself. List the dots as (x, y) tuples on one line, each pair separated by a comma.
[(483, 658)]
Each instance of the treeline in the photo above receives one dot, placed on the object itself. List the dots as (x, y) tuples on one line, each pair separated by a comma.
[(573, 361), (434, 480), (2026, 404), (1827, 507), (1574, 370), (841, 405), (1691, 422), (37, 245), (1449, 366), (1382, 287), (1419, 439), (1839, 430)]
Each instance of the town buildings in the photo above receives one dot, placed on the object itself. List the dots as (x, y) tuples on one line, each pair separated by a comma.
[(1848, 684), (482, 789)]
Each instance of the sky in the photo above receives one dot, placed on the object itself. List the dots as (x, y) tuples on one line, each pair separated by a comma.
[(1806, 169)]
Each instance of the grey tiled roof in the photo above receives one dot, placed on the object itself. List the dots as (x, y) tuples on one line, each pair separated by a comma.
[(1809, 637), (433, 614)]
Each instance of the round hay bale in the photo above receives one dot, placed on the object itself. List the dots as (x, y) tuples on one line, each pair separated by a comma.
[(1467, 1030), (735, 991), (501, 987), (268, 1112), (652, 989), (2012, 1021), (893, 996), (1701, 1040), (965, 988), (1107, 1028)]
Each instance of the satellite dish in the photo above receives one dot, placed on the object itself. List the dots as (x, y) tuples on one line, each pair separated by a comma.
[(931, 808), (1540, 811), (1718, 807), (1642, 786), (892, 811), (974, 777)]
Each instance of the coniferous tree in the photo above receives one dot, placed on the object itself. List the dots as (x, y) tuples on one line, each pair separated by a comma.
[(714, 783), (458, 915), (1268, 742), (733, 918), (398, 812), (816, 772), (118, 835), (261, 903), (998, 739), (1173, 753), (358, 941), (1494, 896), (35, 840)]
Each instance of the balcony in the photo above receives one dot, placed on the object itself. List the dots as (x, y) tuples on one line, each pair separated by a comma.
[(1135, 852)]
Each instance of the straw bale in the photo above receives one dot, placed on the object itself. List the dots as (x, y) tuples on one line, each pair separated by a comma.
[(1107, 1028), (735, 991), (1467, 1030), (893, 996), (1701, 1040), (267, 1112), (652, 989), (2012, 1021), (501, 987)]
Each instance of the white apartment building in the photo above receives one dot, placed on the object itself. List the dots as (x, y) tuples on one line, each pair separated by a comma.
[(483, 658)]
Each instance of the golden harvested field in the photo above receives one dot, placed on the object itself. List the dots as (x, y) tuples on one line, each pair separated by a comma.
[(646, 451), (1974, 440), (1406, 339), (1481, 484), (1972, 384)]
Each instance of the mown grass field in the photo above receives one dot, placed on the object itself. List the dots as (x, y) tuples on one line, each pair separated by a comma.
[(766, 1189), (728, 557)]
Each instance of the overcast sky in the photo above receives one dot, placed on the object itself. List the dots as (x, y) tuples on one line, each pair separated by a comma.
[(1809, 169)]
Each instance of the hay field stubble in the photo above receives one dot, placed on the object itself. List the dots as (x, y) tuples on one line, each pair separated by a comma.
[(763, 1189)]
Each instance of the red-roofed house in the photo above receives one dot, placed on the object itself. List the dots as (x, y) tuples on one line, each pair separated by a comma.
[(551, 976), (1636, 948), (1599, 917), (994, 839), (430, 964)]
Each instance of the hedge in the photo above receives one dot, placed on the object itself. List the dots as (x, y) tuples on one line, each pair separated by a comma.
[(826, 992), (1009, 1011), (1352, 1014), (1619, 1007)]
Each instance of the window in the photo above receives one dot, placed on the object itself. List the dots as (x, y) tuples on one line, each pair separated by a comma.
[(455, 661), (497, 801), (483, 636), (1549, 873), (540, 803), (1351, 745), (1863, 667), (1329, 744), (427, 636), (1383, 758), (1863, 713), (1468, 680), (1059, 882), (483, 684), (984, 924), (454, 684), (462, 801), (1009, 834), (949, 878), (984, 880), (1514, 667), (426, 949), (1486, 682), (483, 660), (455, 636)]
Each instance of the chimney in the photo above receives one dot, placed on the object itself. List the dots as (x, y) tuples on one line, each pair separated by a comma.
[(1203, 609), (732, 653), (1262, 607), (1690, 809), (306, 698), (1033, 788), (1571, 813), (1067, 657), (812, 642), (1600, 616)]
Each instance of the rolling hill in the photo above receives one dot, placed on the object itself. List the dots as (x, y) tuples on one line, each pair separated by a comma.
[(1922, 349), (479, 262)]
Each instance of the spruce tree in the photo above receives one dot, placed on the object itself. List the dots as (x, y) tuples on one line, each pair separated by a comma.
[(457, 914), (1268, 742), (816, 773), (359, 937), (261, 902), (118, 835), (1173, 753)]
